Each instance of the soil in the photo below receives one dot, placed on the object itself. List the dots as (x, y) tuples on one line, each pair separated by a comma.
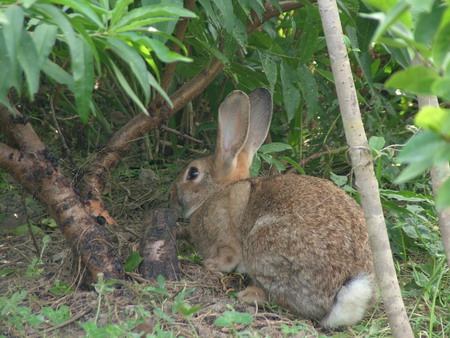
[(137, 300)]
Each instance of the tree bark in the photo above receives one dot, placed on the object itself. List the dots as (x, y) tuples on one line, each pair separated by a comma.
[(366, 182), (158, 245), (39, 174)]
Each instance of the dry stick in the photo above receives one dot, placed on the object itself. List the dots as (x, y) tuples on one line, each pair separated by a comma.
[(438, 176), (30, 227), (366, 182), (182, 135), (317, 155), (120, 143), (63, 139)]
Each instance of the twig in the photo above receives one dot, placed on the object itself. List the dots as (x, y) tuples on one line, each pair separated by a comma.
[(73, 319), (183, 135), (30, 228), (317, 155), (63, 139), (322, 153)]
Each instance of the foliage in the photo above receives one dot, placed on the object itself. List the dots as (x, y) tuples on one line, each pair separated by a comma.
[(72, 42), (420, 29), (288, 55)]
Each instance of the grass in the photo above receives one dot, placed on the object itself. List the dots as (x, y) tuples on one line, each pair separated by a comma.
[(40, 295)]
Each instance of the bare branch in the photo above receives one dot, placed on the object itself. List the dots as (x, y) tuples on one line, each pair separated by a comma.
[(182, 135)]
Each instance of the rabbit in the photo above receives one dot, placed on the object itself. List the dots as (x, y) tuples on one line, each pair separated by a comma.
[(301, 239)]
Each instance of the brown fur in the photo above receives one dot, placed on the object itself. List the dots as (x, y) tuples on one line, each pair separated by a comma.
[(300, 238)]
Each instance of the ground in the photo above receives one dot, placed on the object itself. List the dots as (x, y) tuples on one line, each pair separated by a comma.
[(42, 298)]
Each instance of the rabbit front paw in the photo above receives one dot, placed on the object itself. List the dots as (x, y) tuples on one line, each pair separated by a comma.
[(252, 295)]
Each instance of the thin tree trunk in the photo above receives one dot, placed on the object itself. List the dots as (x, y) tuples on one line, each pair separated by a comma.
[(366, 182), (438, 176)]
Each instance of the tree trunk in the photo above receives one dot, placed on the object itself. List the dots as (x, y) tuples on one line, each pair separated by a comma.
[(366, 182)]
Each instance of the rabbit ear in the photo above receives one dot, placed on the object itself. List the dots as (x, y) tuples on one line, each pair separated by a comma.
[(260, 117), (234, 116)]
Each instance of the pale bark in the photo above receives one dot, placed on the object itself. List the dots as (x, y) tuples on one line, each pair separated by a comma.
[(438, 176), (366, 182)]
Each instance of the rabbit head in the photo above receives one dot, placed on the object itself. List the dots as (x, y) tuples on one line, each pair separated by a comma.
[(243, 126)]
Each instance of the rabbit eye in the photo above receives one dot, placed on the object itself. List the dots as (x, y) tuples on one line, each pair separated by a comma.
[(193, 173)]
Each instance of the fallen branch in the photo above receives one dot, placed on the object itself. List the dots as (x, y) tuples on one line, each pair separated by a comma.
[(38, 172)]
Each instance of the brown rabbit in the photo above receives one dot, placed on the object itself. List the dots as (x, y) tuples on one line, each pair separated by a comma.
[(302, 239)]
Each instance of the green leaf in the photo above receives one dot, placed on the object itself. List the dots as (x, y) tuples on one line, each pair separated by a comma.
[(376, 142), (422, 5), (424, 78), (161, 50), (270, 69), (256, 166), (84, 7), (161, 10), (443, 199), (120, 9), (228, 17), (83, 76), (308, 87), (441, 88), (206, 4), (61, 289), (339, 180), (274, 147), (134, 25), (133, 261), (404, 195), (434, 118), (223, 321), (58, 74), (291, 96), (293, 163), (427, 25), (23, 229), (126, 87), (12, 33), (309, 37), (6, 272), (441, 47), (422, 151), (44, 37), (27, 56), (132, 58), (240, 317)]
